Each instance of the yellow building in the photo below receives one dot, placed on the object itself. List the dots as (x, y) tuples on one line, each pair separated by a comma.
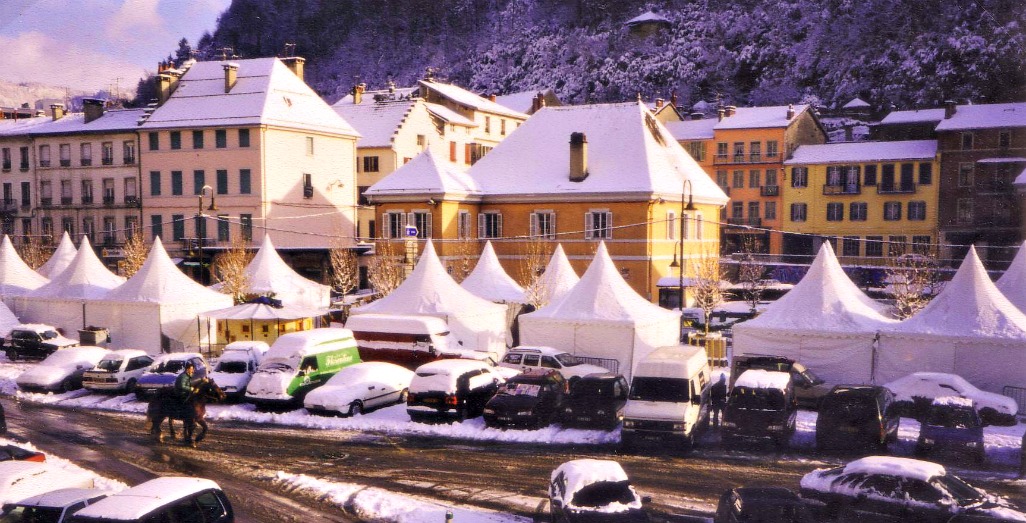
[(871, 199), (572, 175)]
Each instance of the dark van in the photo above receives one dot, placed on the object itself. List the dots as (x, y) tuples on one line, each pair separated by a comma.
[(762, 404), (596, 400), (808, 387), (761, 505), (856, 417)]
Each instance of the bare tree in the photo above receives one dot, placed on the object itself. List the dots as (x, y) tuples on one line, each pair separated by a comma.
[(462, 258), (749, 272), (914, 279), (386, 271), (534, 257), (135, 251), (229, 268), (706, 276), (33, 252), (344, 266)]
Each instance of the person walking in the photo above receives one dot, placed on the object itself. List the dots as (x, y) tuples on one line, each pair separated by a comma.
[(718, 397)]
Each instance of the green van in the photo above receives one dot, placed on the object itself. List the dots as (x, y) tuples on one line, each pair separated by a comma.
[(297, 363)]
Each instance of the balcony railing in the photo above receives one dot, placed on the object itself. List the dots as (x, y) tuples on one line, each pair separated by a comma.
[(750, 221), (44, 163), (829, 189), (131, 200), (46, 202), (908, 188), (66, 200), (769, 190), (723, 159), (87, 200), (130, 160), (9, 206), (65, 163), (108, 200), (86, 162)]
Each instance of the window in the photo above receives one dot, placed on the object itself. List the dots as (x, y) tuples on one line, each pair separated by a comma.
[(177, 227), (45, 193), (921, 245), (68, 225), (858, 211), (47, 224), (222, 181), (246, 226), (86, 154), (422, 221), (1002, 213), (771, 148), (65, 151), (307, 185), (543, 225), (869, 178), (850, 246), (309, 146), (835, 212), (6, 153), (26, 194), (753, 211), (23, 164), (467, 153), (197, 139), (244, 181), (721, 179), (967, 141), (502, 127), (1004, 139), (154, 183), (243, 137), (737, 210), (154, 139), (598, 225), (489, 225), (131, 226), (109, 230), (925, 173), (892, 211), (220, 138), (452, 151), (44, 155), (108, 191), (199, 179), (394, 224), (176, 183), (370, 164), (887, 177), (964, 211), (200, 223), (66, 195), (421, 140), (739, 151), (699, 227), (671, 225), (696, 150), (907, 177), (107, 153), (771, 177), (721, 150), (128, 152), (488, 124), (771, 210), (896, 245), (89, 229), (739, 179), (223, 230), (874, 246), (798, 212), (87, 192), (685, 227), (965, 174), (8, 194), (799, 177), (755, 151), (176, 140), (917, 211), (754, 178), (463, 225)]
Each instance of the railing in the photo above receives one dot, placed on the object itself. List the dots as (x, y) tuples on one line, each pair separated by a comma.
[(46, 202), (769, 190), (44, 163), (721, 159), (896, 189), (65, 163), (87, 200), (66, 200), (108, 200), (829, 189), (1018, 394), (9, 206), (131, 200), (130, 160), (754, 222), (607, 363), (108, 161), (86, 162)]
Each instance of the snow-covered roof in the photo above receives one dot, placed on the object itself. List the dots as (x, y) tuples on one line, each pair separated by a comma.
[(763, 379), (469, 99), (490, 281), (260, 312), (986, 116), (448, 115), (558, 279), (425, 174), (61, 257), (85, 279), (647, 17), (913, 116), (160, 281), (21, 126), (383, 95), (429, 290), (396, 323), (603, 295), (134, 503), (16, 277), (376, 122), (113, 120), (629, 151), (969, 306), (761, 117), (1013, 282), (856, 103), (269, 274), (824, 300), (864, 152), (523, 101), (686, 130), (266, 92)]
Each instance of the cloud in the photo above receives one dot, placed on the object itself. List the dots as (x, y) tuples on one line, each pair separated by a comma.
[(136, 22), (37, 57)]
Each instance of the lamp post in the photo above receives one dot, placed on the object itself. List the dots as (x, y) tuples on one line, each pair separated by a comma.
[(201, 219), (685, 195)]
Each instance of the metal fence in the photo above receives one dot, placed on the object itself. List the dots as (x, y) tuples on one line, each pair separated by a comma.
[(609, 364), (1018, 394)]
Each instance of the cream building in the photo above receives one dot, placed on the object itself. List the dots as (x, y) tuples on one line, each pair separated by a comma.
[(17, 178)]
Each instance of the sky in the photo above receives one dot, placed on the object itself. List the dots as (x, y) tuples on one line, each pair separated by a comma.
[(91, 44)]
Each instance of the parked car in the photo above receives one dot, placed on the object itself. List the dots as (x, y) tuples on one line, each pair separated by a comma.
[(451, 389), (524, 358), (952, 424), (596, 400), (890, 489), (531, 399), (857, 416), (62, 370), (16, 453), (761, 505), (299, 362), (233, 371), (669, 397), (170, 499), (914, 393), (34, 341), (118, 371), (23, 479), (808, 387), (256, 348), (164, 371), (593, 491), (360, 388), (51, 507), (762, 404)]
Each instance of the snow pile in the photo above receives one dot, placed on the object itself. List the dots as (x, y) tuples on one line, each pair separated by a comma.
[(99, 482), (763, 379), (490, 281)]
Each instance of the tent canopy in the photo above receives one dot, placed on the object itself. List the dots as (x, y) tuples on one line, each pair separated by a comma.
[(1013, 282), (160, 281), (85, 279), (491, 282), (61, 257), (16, 277), (557, 280), (268, 274)]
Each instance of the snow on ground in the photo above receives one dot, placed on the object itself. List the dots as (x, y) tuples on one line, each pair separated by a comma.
[(99, 481), (382, 505)]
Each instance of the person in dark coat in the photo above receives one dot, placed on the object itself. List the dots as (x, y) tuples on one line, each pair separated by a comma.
[(718, 397), (183, 384)]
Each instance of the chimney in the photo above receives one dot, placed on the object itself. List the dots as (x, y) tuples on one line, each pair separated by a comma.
[(730, 110), (790, 111), (295, 64), (231, 75), (357, 93), (720, 113), (578, 157), (57, 110), (673, 100), (697, 115), (391, 86), (491, 97), (949, 108), (659, 103), (93, 108)]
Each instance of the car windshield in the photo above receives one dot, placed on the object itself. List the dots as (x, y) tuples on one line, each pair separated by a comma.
[(589, 388), (568, 360), (20, 514), (49, 335), (110, 365), (232, 367), (520, 389), (953, 418), (602, 493), (757, 399), (277, 364), (809, 376), (850, 408), (660, 389), (175, 366), (962, 492)]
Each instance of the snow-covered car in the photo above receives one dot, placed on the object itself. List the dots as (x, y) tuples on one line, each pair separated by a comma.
[(594, 491), (532, 399), (62, 370), (160, 500), (34, 341), (165, 370), (524, 358), (452, 389), (761, 504), (952, 424), (118, 371), (51, 507), (255, 348), (359, 388), (914, 393), (886, 488), (233, 371)]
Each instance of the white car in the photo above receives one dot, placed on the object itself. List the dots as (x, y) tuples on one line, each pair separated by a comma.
[(56, 506), (524, 358), (994, 409), (118, 371), (255, 348), (233, 371), (62, 370), (359, 388)]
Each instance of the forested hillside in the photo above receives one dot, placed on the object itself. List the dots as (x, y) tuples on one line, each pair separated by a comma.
[(904, 52)]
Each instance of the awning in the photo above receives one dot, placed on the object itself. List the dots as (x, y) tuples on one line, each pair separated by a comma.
[(260, 311)]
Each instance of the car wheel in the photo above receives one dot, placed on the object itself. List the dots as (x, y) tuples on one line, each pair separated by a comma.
[(68, 385), (404, 396), (355, 408), (981, 456), (988, 415), (12, 354), (130, 386), (463, 413)]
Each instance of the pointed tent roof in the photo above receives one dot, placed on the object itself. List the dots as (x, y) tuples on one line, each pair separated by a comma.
[(429, 290), (425, 174), (160, 281), (824, 300), (16, 277), (969, 306), (559, 277), (490, 281), (603, 295), (60, 259), (268, 273), (1013, 282), (85, 279)]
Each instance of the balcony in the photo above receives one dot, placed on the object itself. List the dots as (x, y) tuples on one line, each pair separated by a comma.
[(908, 188), (751, 222), (66, 200), (65, 163), (9, 206), (130, 160), (46, 202), (755, 157), (723, 159), (108, 200), (829, 189), (108, 161), (86, 162), (132, 201), (44, 163), (24, 166), (87, 200), (769, 190)]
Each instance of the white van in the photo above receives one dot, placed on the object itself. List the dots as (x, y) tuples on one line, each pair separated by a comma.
[(669, 396), (297, 363), (23, 479), (236, 366), (407, 340)]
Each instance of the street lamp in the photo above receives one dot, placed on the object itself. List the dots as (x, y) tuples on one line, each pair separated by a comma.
[(686, 194), (201, 219)]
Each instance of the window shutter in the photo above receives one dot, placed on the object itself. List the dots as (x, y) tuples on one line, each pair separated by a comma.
[(552, 226), (685, 224), (482, 231), (498, 226), (671, 225), (533, 228), (589, 229), (427, 224), (609, 225), (386, 230)]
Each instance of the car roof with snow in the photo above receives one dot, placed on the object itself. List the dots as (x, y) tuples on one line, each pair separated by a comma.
[(247, 345), (367, 370), (304, 343), (580, 473), (536, 349), (954, 401), (36, 327), (62, 497), (140, 500), (450, 366), (894, 466), (126, 353), (763, 379)]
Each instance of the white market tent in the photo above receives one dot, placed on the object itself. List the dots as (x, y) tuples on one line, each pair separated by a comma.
[(602, 317), (474, 323), (269, 275), (490, 281), (16, 277), (60, 259), (156, 308), (1013, 282), (61, 302), (825, 322), (557, 280), (969, 329)]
